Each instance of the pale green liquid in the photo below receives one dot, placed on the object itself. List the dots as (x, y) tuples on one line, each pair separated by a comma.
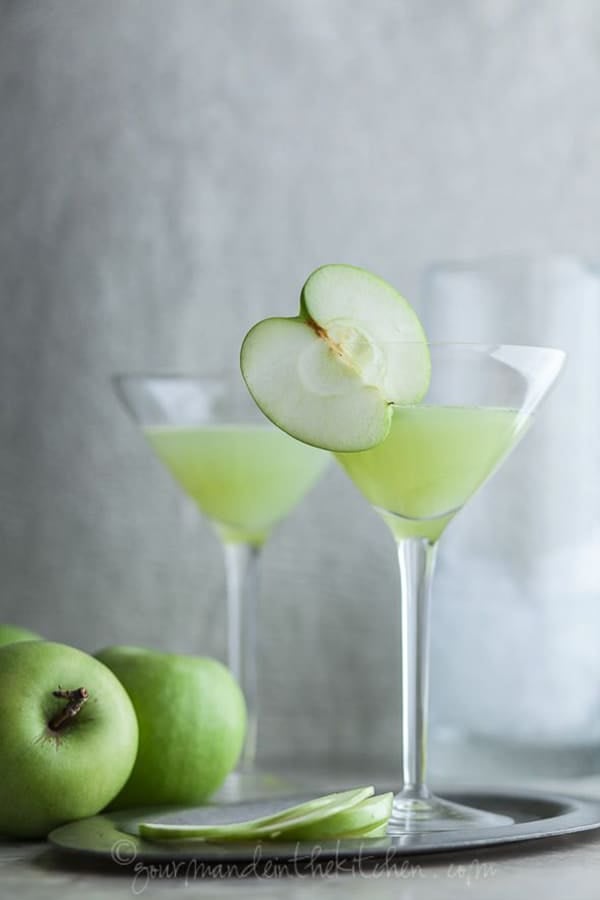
[(431, 462), (243, 477)]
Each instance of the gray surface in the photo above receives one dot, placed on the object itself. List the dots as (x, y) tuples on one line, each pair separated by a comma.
[(169, 172), (566, 867)]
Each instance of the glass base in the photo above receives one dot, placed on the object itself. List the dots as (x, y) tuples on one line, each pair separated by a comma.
[(415, 812)]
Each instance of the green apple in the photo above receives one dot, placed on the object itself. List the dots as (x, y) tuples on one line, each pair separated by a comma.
[(68, 737), (10, 634), (331, 375), (192, 720)]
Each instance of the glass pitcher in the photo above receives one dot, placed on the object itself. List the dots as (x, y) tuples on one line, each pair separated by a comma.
[(524, 695)]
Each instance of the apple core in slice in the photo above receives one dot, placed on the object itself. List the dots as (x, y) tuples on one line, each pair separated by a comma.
[(331, 375)]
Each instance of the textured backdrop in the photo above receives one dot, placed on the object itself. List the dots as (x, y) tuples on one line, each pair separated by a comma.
[(170, 170)]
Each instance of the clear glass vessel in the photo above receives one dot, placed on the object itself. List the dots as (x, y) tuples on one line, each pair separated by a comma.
[(535, 560), (244, 474), (480, 402)]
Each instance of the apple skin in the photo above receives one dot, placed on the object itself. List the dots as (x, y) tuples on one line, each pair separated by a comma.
[(52, 777), (10, 634), (192, 719)]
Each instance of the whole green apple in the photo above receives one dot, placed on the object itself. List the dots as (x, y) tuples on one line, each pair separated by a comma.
[(10, 634), (192, 719), (68, 737)]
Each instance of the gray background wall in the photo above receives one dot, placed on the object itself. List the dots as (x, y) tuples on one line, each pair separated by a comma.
[(169, 173)]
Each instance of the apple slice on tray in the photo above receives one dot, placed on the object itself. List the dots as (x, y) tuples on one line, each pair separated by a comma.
[(331, 375), (367, 818), (353, 813)]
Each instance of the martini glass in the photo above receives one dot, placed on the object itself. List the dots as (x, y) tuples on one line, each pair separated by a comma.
[(479, 404), (245, 475)]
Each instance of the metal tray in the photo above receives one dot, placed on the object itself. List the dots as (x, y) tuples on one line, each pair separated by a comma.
[(107, 837)]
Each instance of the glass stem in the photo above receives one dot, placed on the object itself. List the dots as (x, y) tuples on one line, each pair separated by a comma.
[(241, 573), (416, 559)]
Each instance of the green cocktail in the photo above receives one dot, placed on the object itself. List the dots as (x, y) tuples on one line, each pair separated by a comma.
[(245, 478), (432, 461)]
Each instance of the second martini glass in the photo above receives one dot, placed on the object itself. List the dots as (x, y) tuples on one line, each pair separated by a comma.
[(244, 474), (479, 403)]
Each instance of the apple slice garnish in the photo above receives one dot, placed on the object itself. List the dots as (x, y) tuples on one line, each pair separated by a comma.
[(361, 820), (281, 825), (331, 375)]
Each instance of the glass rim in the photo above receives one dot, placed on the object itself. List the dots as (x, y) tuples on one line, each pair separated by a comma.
[(225, 375), (167, 375), (510, 258)]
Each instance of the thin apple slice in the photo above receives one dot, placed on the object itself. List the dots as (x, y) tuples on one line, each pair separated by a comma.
[(263, 827), (313, 810), (330, 376), (378, 831), (360, 820)]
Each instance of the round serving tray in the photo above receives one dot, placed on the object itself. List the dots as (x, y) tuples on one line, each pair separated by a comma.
[(109, 837)]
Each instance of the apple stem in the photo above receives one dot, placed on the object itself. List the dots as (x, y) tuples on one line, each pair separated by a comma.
[(75, 700)]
